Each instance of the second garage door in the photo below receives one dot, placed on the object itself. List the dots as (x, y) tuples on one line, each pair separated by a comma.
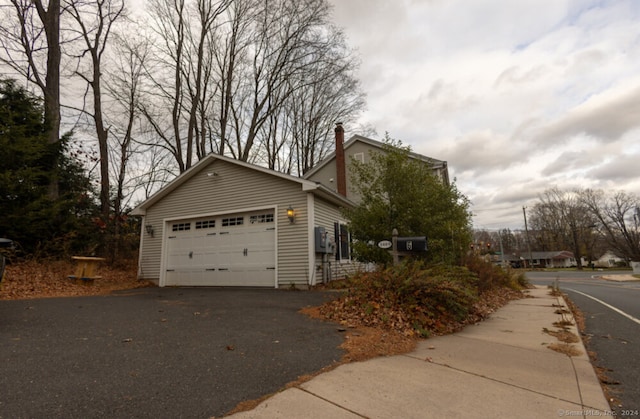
[(227, 250)]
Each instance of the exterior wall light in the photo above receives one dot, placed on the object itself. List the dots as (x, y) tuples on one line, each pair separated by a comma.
[(149, 229), (291, 214)]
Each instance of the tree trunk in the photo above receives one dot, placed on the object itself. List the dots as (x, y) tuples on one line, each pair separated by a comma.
[(51, 90)]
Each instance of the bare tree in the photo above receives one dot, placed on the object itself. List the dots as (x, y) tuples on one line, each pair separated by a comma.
[(94, 20), (333, 95), (619, 217), (299, 133), (200, 73), (548, 228), (287, 34), (508, 241), (231, 49), (122, 85), (165, 74), (181, 75), (564, 219), (230, 71), (30, 30)]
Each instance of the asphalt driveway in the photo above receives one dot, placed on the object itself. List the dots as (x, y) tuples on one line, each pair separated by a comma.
[(157, 352)]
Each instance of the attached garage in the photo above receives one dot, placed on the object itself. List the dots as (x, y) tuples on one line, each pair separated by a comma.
[(226, 222)]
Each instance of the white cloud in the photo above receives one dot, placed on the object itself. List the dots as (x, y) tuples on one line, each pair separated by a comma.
[(621, 169), (517, 96), (606, 116)]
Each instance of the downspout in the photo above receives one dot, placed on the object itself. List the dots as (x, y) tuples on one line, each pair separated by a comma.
[(311, 238)]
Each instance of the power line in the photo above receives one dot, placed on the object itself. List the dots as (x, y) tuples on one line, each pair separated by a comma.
[(491, 209)]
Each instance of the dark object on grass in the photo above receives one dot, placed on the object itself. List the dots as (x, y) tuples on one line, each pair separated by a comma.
[(4, 244)]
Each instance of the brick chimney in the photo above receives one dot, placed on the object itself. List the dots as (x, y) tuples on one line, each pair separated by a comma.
[(341, 169)]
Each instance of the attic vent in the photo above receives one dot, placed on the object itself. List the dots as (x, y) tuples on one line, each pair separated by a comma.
[(358, 157)]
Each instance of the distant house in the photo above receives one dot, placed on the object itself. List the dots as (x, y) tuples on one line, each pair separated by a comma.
[(225, 222), (608, 260), (557, 259)]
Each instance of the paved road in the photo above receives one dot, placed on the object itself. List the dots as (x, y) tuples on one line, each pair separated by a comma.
[(158, 352), (612, 322)]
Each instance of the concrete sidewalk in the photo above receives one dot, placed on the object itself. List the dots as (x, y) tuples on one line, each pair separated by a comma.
[(500, 368)]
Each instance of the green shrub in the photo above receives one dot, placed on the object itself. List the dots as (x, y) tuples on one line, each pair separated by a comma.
[(491, 276)]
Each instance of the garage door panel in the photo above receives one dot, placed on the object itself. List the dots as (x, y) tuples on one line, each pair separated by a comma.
[(178, 252), (236, 254)]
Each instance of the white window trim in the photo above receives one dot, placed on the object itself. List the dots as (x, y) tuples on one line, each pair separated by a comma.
[(337, 242)]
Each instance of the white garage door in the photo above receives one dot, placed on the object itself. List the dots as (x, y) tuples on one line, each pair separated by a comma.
[(227, 250)]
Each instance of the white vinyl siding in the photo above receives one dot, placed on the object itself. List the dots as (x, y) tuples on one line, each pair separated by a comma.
[(326, 215), (292, 243)]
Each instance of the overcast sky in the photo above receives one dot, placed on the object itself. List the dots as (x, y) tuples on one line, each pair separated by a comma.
[(516, 95)]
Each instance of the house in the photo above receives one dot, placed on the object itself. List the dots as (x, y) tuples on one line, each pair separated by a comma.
[(359, 148), (555, 259), (608, 260), (225, 222)]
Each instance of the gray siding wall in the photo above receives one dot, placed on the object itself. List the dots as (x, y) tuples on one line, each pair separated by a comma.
[(357, 148), (233, 189), (325, 174)]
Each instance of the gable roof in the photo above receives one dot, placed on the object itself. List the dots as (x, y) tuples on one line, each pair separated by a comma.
[(555, 255), (306, 185), (434, 163)]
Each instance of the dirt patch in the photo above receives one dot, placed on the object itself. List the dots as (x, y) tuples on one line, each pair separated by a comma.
[(563, 335), (362, 343), (563, 323), (564, 348)]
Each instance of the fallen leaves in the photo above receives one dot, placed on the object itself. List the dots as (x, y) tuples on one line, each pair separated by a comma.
[(562, 335), (565, 348), (351, 311), (367, 338), (364, 343), (43, 279)]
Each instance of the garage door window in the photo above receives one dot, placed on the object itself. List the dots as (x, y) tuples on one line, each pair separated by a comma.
[(205, 224), (261, 218), (232, 221), (181, 227)]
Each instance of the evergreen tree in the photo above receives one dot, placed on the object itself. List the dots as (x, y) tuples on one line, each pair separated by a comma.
[(27, 164)]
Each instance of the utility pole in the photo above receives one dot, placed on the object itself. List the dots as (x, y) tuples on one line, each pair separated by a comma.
[(526, 229), (501, 248)]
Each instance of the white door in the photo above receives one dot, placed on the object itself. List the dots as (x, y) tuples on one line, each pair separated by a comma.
[(227, 250)]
